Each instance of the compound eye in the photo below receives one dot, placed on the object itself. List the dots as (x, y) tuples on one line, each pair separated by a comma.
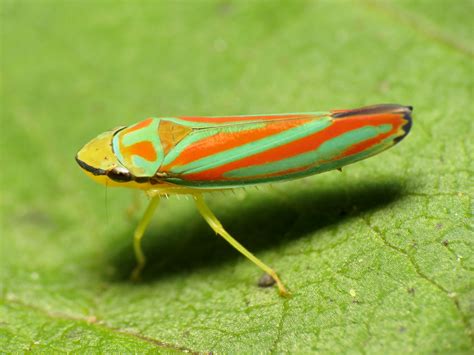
[(119, 174)]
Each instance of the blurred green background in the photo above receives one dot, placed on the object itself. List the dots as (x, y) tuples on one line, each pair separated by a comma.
[(379, 258)]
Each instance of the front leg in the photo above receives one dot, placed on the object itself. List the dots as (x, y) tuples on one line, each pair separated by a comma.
[(138, 235)]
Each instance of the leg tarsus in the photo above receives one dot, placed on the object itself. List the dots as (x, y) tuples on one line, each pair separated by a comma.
[(214, 223), (138, 236)]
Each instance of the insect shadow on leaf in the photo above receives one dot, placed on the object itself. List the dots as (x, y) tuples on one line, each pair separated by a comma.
[(186, 243)]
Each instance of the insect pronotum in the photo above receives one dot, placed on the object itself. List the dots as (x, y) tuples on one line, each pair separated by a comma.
[(194, 155)]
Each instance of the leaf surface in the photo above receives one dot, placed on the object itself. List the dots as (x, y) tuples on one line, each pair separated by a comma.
[(378, 258)]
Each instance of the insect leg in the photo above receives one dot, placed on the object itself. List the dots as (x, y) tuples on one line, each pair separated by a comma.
[(214, 223), (138, 235)]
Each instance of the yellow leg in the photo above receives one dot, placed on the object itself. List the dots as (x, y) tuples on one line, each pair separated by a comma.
[(138, 235), (214, 223)]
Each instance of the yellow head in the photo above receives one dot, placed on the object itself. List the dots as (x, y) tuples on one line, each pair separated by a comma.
[(98, 161)]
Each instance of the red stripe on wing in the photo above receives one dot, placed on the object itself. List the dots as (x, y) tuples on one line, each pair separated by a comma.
[(297, 147), (223, 141)]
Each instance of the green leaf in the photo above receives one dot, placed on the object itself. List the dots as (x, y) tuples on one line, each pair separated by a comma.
[(379, 258)]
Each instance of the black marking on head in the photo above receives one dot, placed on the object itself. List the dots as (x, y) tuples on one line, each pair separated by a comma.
[(91, 169), (374, 110), (116, 174)]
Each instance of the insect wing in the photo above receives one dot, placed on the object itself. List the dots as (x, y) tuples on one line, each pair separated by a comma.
[(215, 156), (242, 150)]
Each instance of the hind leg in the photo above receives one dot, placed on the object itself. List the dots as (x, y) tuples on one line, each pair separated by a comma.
[(214, 223)]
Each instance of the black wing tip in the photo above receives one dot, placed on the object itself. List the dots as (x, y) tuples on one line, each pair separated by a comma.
[(406, 111), (409, 122), (374, 110)]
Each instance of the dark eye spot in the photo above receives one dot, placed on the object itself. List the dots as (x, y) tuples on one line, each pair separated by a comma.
[(119, 175)]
